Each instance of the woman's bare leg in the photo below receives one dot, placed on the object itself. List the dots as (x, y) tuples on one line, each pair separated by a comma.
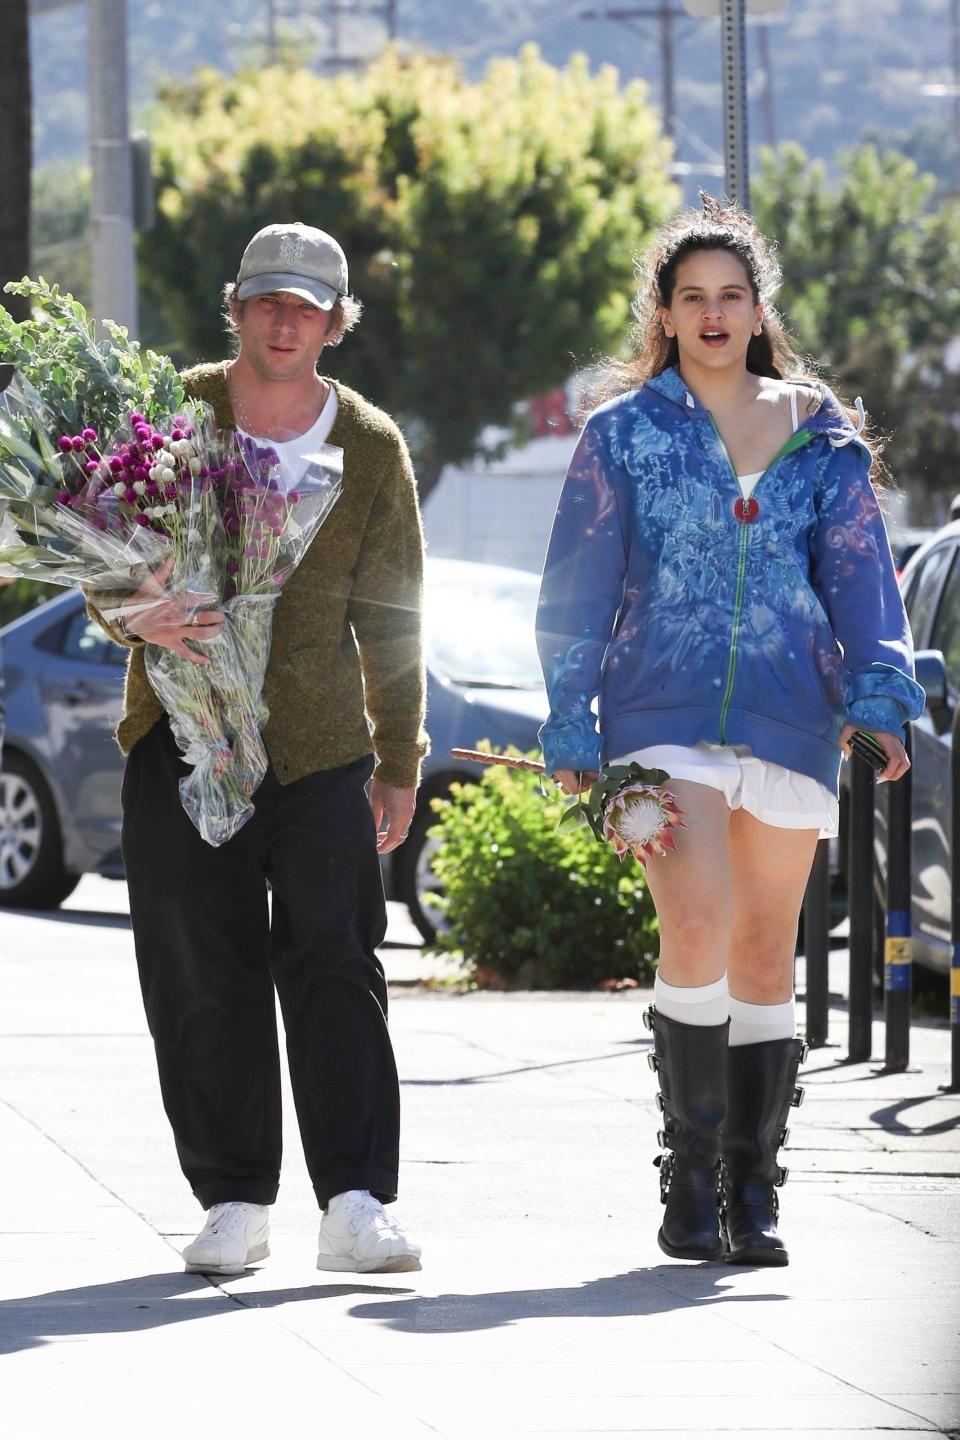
[(691, 889), (769, 870)]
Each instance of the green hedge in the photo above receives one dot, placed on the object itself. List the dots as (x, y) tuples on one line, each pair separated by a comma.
[(531, 906)]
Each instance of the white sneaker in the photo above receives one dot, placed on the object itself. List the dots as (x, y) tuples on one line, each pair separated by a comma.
[(235, 1235), (356, 1233)]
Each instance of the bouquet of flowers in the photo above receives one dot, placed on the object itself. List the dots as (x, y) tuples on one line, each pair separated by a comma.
[(627, 806), (109, 481)]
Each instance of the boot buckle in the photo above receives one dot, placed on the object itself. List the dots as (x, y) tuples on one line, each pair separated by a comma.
[(658, 1101), (666, 1164), (654, 1063), (647, 1017), (782, 1174), (798, 1094), (784, 1135), (804, 1051), (662, 1139)]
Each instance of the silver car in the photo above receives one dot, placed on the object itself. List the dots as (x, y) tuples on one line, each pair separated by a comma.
[(60, 781)]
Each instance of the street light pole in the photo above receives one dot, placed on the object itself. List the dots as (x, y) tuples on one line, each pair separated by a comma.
[(733, 42), (111, 210)]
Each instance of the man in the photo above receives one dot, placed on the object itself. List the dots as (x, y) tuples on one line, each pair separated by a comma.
[(346, 640)]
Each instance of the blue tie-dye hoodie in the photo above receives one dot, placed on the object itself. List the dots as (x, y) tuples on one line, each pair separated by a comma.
[(690, 624)]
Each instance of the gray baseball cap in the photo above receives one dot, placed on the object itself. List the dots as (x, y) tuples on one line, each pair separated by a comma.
[(297, 259)]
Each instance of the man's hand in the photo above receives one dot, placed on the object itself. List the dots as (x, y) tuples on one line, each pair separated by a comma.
[(571, 782), (168, 620), (892, 745), (395, 805)]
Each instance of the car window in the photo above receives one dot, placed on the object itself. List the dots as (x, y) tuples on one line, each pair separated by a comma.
[(921, 597), (81, 638), (945, 635), (482, 633)]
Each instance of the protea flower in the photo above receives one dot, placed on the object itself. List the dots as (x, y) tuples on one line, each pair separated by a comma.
[(640, 819)]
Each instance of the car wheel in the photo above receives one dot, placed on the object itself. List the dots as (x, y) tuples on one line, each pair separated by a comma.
[(31, 848), (415, 877)]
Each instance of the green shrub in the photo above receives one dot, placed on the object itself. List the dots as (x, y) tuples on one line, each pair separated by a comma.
[(532, 906)]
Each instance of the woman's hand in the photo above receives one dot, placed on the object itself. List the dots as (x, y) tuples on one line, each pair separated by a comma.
[(168, 620), (892, 745), (571, 782)]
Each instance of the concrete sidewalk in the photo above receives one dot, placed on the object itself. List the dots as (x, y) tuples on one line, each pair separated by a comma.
[(544, 1307)]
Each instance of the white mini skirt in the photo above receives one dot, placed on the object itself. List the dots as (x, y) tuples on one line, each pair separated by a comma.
[(770, 792)]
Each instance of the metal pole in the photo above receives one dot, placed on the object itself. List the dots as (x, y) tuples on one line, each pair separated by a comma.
[(392, 7), (111, 209), (816, 945), (272, 31), (897, 951), (955, 904), (860, 872), (733, 41), (769, 106), (666, 69)]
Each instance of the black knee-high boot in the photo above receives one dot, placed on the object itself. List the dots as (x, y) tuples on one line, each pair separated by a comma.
[(691, 1062), (761, 1087)]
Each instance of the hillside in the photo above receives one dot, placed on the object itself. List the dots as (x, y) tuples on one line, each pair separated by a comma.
[(840, 69)]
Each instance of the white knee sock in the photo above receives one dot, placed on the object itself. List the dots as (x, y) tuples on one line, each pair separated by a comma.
[(692, 1004), (751, 1024)]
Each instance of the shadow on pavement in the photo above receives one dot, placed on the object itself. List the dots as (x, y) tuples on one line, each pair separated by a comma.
[(626, 1049), (104, 919), (637, 1292), (888, 1118), (143, 1302)]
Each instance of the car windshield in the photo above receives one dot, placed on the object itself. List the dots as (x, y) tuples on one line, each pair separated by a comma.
[(481, 632)]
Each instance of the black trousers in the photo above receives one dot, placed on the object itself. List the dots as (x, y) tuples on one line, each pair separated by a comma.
[(209, 959)]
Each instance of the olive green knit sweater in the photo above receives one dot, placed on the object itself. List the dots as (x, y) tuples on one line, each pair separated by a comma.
[(346, 670)]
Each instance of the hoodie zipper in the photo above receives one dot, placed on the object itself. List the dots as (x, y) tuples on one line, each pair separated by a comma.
[(796, 440)]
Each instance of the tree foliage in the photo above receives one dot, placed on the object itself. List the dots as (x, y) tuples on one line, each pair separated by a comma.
[(872, 291), (491, 228)]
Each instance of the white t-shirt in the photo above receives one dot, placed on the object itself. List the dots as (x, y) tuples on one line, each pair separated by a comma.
[(295, 454)]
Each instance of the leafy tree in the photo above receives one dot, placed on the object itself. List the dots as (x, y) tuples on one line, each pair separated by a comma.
[(490, 227), (872, 290)]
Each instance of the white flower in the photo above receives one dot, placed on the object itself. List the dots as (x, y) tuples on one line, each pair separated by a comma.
[(639, 820), (120, 489), (195, 464), (194, 537), (154, 473), (140, 486), (167, 475), (165, 458)]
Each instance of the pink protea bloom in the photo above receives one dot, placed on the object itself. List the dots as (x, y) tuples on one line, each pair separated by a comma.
[(640, 819)]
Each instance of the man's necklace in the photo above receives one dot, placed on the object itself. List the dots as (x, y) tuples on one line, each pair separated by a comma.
[(243, 419)]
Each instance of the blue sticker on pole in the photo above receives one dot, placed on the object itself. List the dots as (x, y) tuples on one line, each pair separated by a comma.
[(898, 922)]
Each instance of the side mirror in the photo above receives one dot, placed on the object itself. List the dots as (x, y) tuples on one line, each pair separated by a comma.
[(932, 675)]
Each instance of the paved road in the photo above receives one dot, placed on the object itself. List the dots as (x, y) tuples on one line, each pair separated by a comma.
[(544, 1307)]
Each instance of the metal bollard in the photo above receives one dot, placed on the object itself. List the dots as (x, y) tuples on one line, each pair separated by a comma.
[(860, 872), (897, 968), (955, 904), (816, 945)]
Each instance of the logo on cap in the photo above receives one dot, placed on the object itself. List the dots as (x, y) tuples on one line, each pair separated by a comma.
[(292, 247)]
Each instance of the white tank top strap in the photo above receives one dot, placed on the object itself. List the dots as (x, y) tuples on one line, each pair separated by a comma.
[(793, 409)]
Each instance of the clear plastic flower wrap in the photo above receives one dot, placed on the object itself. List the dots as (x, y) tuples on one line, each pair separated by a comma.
[(266, 533)]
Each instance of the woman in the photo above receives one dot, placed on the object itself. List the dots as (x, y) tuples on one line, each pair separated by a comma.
[(719, 579)]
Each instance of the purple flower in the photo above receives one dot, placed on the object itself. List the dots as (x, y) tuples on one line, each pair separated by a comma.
[(170, 492), (137, 419), (142, 471), (144, 433), (278, 577), (63, 497), (78, 443), (157, 442), (92, 466), (232, 567), (176, 433), (153, 490), (89, 433), (294, 497), (142, 520), (130, 496), (65, 443), (116, 463)]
